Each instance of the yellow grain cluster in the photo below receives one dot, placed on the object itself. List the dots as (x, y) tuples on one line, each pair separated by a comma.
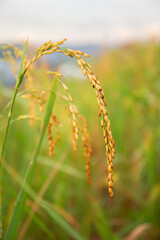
[(48, 48), (105, 123), (52, 141), (79, 124), (56, 124), (11, 53), (87, 144), (34, 97)]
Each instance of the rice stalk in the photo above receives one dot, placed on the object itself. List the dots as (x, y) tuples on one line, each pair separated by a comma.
[(19, 81), (105, 122), (20, 201), (46, 103)]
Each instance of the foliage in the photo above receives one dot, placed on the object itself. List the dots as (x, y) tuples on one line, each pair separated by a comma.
[(130, 77)]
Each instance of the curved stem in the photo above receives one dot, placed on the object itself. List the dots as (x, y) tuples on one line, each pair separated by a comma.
[(21, 198), (19, 81)]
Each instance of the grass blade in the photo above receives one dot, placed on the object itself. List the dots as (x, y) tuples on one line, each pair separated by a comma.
[(19, 81), (51, 163), (44, 205), (20, 201), (38, 221), (35, 206)]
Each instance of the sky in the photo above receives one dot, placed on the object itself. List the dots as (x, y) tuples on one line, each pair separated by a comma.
[(81, 22)]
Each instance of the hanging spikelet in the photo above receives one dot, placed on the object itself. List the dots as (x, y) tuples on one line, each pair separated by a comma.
[(105, 123), (51, 141), (48, 48)]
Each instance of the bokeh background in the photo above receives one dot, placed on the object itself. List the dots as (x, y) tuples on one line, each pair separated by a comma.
[(102, 22), (123, 40)]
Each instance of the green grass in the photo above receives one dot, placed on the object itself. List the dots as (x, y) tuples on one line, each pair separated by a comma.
[(131, 82)]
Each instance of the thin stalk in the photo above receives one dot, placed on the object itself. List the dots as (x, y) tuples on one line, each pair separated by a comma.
[(8, 122), (20, 201), (19, 81)]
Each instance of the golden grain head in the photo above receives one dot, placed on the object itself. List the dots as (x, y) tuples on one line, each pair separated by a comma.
[(79, 125)]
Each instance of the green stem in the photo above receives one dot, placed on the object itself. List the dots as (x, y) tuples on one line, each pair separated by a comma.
[(8, 122), (20, 201), (3, 147), (19, 81)]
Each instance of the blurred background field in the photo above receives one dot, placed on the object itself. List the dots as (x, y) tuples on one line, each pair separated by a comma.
[(130, 77), (123, 39)]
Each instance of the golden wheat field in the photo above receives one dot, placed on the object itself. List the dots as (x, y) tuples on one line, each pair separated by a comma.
[(80, 150)]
